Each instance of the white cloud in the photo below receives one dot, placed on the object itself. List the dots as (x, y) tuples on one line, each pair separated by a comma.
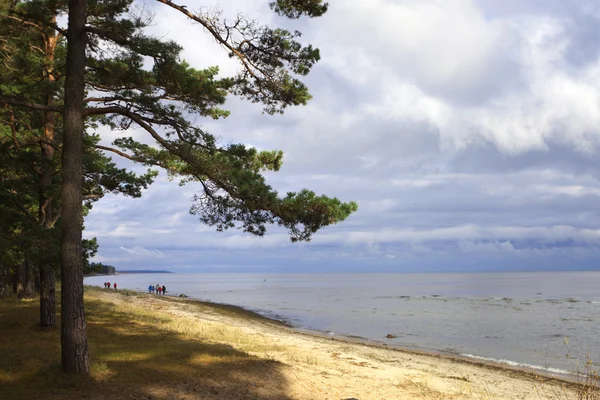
[(436, 42), (143, 252), (423, 54), (463, 129)]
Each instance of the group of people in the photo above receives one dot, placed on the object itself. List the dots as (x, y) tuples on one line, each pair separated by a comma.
[(151, 289), (157, 289)]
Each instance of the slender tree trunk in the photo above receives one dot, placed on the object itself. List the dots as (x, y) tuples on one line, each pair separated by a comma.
[(15, 278), (20, 279), (4, 278), (46, 217), (36, 282), (25, 280), (47, 295), (74, 345), (29, 279)]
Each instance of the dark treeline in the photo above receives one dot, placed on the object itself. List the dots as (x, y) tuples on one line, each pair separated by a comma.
[(59, 84)]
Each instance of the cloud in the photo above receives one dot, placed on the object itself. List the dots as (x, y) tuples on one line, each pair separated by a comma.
[(142, 252), (467, 130)]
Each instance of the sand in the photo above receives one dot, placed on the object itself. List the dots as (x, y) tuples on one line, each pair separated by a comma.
[(319, 367)]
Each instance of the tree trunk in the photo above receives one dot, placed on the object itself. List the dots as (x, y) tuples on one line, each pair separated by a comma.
[(4, 278), (46, 215), (74, 347), (20, 280), (25, 280), (47, 295), (29, 279)]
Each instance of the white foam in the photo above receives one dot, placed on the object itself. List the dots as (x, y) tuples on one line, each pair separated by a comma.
[(517, 364)]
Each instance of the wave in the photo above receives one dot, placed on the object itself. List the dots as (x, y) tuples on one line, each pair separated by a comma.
[(517, 364)]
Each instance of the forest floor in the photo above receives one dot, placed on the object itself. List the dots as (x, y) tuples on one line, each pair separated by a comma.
[(161, 348)]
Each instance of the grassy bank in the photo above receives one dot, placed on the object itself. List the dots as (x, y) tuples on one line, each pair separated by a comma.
[(136, 353), (151, 347)]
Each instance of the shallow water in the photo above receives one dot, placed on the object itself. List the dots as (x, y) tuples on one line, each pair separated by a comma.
[(518, 318)]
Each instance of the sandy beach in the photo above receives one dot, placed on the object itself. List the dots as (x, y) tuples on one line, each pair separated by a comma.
[(317, 367)]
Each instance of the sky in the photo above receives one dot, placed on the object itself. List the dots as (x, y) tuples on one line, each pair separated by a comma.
[(468, 132)]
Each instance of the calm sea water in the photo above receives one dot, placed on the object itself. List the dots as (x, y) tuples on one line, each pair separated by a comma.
[(515, 318)]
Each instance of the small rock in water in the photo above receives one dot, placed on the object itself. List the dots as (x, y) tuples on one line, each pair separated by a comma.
[(391, 336), (182, 295)]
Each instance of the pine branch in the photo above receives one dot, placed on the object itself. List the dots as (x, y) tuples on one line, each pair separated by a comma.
[(92, 197), (42, 211), (104, 99), (248, 65), (141, 121), (138, 119), (32, 106), (24, 210), (13, 127), (125, 155), (29, 20), (130, 157)]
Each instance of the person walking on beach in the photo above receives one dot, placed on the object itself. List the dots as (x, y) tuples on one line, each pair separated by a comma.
[(164, 289), (108, 285), (115, 285), (159, 289), (150, 289)]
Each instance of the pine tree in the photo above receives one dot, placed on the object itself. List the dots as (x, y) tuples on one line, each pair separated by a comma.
[(33, 56), (162, 100)]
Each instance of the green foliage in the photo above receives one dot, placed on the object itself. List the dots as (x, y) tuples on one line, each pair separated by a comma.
[(134, 78), (33, 71), (297, 8), (102, 176), (90, 248)]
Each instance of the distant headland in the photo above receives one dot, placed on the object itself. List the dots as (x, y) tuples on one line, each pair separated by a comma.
[(142, 271)]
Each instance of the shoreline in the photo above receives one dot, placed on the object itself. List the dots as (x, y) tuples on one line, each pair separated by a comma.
[(162, 347), (311, 365), (236, 311), (533, 373)]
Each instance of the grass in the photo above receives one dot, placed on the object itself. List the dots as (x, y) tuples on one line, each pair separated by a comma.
[(297, 356), (587, 387), (136, 353), (186, 326)]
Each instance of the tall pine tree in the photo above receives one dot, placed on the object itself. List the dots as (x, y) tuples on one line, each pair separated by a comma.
[(33, 58), (107, 47)]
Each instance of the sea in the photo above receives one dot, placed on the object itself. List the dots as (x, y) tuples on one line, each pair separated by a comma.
[(543, 320)]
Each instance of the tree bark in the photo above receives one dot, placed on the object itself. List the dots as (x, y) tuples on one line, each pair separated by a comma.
[(4, 278), (25, 280), (29, 279), (20, 280), (46, 215), (74, 347), (47, 295)]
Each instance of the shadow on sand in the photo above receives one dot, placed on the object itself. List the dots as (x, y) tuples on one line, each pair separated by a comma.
[(130, 360)]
